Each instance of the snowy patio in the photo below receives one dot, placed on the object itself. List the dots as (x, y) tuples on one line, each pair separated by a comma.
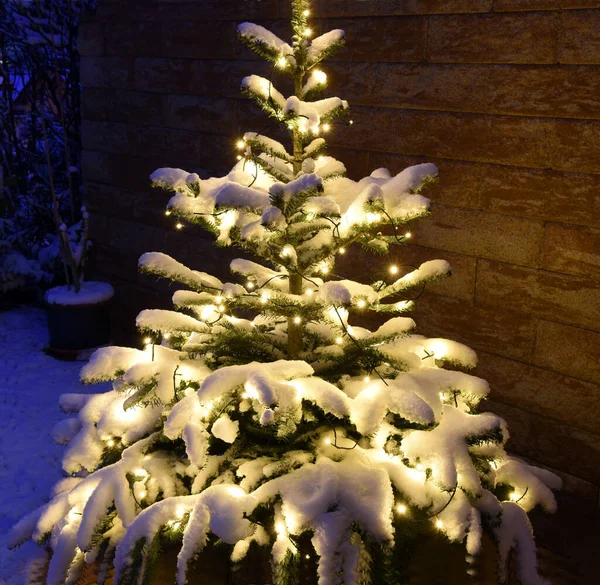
[(30, 384)]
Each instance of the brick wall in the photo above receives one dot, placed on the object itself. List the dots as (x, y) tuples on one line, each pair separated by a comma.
[(504, 95)]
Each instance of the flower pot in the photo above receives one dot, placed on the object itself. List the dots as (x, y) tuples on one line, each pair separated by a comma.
[(78, 321)]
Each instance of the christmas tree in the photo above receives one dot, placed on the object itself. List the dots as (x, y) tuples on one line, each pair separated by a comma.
[(257, 415)]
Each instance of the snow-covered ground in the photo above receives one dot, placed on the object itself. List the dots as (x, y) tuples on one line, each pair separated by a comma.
[(30, 384)]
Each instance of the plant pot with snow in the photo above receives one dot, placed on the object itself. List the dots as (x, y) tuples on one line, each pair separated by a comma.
[(78, 319), (78, 312)]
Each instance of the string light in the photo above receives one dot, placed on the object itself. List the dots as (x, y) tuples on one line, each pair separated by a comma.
[(320, 76), (307, 557), (325, 269), (407, 235), (218, 299), (306, 12), (143, 494), (168, 212), (439, 524), (240, 144), (239, 157), (221, 308), (309, 292), (110, 443), (179, 226), (342, 250), (339, 341), (147, 340), (361, 304), (263, 299), (282, 62), (393, 269), (513, 496), (307, 32), (327, 441), (297, 320), (350, 122), (280, 529), (166, 335), (250, 285), (141, 473), (401, 509), (326, 127), (366, 379)]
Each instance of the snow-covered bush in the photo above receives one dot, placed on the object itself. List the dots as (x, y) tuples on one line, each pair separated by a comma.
[(259, 413), (39, 132)]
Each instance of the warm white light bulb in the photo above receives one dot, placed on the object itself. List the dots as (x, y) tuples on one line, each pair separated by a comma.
[(439, 523), (407, 235), (325, 269), (218, 299), (110, 443), (320, 76), (240, 144), (264, 299), (367, 379), (280, 528), (339, 341), (239, 157), (307, 557), (307, 32), (342, 250), (250, 285), (168, 212), (179, 226), (282, 62), (328, 441), (147, 340), (401, 509), (420, 467), (513, 496), (326, 127), (393, 269), (143, 494), (297, 320), (309, 292), (351, 122), (306, 12), (361, 304), (221, 308)]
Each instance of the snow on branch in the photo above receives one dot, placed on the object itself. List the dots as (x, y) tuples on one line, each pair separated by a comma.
[(324, 45), (427, 272), (265, 277), (446, 447), (109, 363), (161, 320), (267, 145), (264, 93), (309, 115), (174, 179), (238, 196), (163, 265), (263, 42)]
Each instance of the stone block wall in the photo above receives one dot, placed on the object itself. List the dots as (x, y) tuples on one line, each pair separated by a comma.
[(503, 95)]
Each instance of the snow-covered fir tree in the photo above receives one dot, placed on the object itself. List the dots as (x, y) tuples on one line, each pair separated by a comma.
[(258, 415)]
